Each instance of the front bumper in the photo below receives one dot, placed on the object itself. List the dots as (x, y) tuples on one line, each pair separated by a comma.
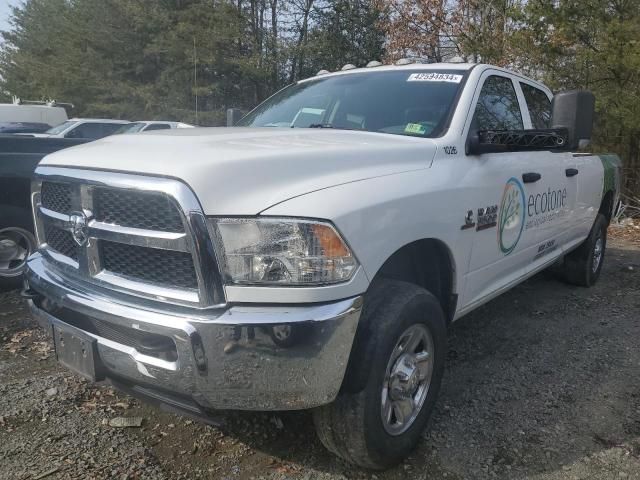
[(207, 357)]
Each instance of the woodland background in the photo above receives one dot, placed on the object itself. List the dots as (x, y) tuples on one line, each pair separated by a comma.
[(190, 60)]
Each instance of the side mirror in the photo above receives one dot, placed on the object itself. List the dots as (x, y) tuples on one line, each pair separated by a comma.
[(573, 110), (233, 115)]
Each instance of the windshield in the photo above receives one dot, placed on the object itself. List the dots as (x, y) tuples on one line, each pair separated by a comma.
[(131, 127), (60, 128), (401, 102)]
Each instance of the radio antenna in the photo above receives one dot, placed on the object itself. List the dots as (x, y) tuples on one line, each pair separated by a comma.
[(195, 75)]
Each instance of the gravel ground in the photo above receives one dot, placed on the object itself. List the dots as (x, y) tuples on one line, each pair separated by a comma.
[(541, 383)]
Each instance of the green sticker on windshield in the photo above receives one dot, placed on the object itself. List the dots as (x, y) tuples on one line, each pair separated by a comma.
[(415, 128)]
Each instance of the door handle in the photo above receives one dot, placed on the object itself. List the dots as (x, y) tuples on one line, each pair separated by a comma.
[(531, 177), (571, 172)]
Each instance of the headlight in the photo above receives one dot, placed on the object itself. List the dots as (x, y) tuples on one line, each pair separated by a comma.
[(280, 251)]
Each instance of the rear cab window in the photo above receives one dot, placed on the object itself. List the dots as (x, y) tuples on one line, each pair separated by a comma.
[(538, 104)]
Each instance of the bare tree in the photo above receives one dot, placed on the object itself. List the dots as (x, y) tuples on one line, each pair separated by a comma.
[(440, 29), (301, 10)]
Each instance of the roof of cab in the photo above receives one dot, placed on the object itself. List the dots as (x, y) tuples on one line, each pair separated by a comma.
[(98, 120), (450, 66), (169, 122), (387, 68)]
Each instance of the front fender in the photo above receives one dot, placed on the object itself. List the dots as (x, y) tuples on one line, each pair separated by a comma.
[(379, 216)]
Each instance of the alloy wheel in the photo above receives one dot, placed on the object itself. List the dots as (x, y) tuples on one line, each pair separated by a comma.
[(407, 379)]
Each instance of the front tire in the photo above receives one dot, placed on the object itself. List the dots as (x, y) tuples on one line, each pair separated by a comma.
[(377, 426)]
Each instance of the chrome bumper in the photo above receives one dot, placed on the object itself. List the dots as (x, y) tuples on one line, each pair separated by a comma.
[(256, 374)]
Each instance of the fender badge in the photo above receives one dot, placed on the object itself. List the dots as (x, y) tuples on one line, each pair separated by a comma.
[(487, 217), (468, 221)]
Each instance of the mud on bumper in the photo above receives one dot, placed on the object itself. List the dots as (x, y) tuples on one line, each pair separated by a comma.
[(269, 357)]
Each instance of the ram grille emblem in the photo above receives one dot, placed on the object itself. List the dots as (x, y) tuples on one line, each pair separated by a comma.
[(79, 227)]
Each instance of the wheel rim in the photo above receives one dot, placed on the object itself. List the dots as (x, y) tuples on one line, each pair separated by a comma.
[(598, 250), (407, 379), (15, 247)]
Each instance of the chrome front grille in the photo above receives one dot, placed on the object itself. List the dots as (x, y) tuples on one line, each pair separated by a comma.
[(61, 241), (161, 267), (149, 211), (136, 235), (56, 197)]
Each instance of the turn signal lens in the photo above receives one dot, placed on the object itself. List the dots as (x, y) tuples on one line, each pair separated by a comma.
[(332, 245)]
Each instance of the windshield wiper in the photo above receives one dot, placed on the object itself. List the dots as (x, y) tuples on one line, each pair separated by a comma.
[(331, 125)]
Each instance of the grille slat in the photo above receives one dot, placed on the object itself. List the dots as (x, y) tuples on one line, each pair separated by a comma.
[(62, 242), (56, 197), (162, 267), (150, 211)]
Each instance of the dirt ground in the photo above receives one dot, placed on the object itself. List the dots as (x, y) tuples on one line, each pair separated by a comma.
[(541, 383)]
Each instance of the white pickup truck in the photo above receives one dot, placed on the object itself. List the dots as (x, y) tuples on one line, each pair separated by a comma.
[(313, 256)]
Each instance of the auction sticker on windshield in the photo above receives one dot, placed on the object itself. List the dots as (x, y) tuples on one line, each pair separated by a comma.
[(434, 77)]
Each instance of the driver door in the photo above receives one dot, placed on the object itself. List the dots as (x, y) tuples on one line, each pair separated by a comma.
[(502, 246)]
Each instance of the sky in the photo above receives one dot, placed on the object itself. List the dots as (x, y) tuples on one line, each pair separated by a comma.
[(4, 12)]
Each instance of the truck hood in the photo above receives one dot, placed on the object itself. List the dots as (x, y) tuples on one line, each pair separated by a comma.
[(242, 171)]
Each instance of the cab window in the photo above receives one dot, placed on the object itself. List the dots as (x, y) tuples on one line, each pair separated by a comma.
[(157, 126), (60, 128), (109, 129), (86, 130), (497, 107), (539, 106)]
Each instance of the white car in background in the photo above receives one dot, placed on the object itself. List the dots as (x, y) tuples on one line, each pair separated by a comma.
[(147, 126), (50, 113), (91, 128)]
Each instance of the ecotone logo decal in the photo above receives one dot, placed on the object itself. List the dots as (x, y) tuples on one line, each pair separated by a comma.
[(511, 217)]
